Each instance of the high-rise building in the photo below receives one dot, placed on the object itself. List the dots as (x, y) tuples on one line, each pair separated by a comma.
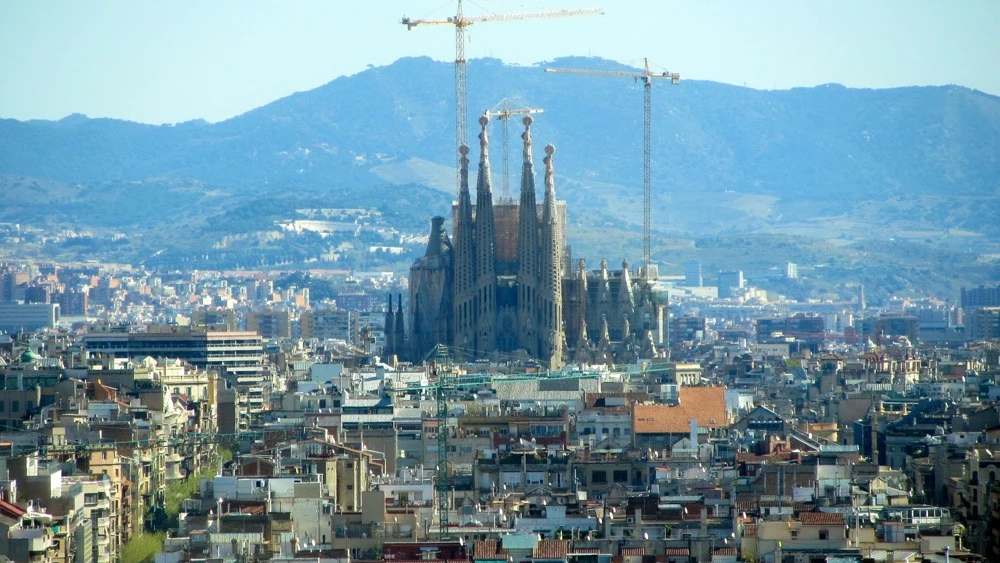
[(269, 324), (214, 318), (28, 316), (981, 296), (330, 324), (692, 273), (502, 283), (983, 323), (237, 356), (792, 271), (730, 283), (73, 303)]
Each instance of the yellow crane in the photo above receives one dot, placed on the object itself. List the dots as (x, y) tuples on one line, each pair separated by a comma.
[(503, 112), (647, 80), (461, 21)]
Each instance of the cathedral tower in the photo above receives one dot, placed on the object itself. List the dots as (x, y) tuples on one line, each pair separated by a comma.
[(550, 325), (528, 250), (465, 261), (485, 243), (431, 294)]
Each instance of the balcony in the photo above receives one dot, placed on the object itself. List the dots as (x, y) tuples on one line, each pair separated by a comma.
[(38, 539)]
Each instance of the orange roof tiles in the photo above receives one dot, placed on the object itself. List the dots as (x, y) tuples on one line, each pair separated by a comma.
[(706, 404), (831, 518), (676, 551), (551, 549), (488, 549)]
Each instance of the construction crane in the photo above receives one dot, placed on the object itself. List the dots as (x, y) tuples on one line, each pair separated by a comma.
[(461, 21), (647, 80), (502, 112)]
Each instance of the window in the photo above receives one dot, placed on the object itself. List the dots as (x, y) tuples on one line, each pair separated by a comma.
[(1, 406), (620, 476), (795, 534), (599, 477), (15, 406), (824, 534)]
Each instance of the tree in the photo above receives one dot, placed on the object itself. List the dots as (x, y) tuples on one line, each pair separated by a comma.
[(142, 548)]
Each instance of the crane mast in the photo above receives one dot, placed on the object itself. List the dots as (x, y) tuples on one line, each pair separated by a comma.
[(502, 112), (461, 21), (647, 104)]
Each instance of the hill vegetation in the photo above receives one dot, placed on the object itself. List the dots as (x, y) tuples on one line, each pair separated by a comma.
[(838, 167)]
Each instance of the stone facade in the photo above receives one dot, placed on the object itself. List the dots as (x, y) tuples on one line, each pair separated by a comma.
[(504, 285)]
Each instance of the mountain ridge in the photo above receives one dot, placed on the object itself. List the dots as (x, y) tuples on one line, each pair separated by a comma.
[(827, 162)]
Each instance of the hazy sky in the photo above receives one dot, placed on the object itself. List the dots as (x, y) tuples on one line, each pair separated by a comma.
[(169, 61)]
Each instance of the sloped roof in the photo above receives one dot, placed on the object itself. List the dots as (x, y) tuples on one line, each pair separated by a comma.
[(706, 404), (831, 518), (488, 549), (551, 549), (11, 510)]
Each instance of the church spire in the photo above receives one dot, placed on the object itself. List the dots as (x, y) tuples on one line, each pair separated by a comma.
[(626, 301), (465, 259), (582, 353), (552, 254), (528, 251), (485, 241)]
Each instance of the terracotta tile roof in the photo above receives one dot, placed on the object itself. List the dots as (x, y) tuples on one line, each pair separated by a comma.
[(551, 549), (724, 551), (750, 531), (633, 551), (706, 404), (831, 518), (674, 551), (488, 549), (11, 510), (587, 550)]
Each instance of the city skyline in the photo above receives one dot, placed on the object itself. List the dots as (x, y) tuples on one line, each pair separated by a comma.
[(167, 63)]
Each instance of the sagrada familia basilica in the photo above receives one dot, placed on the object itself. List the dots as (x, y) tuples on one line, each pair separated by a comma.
[(503, 284)]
